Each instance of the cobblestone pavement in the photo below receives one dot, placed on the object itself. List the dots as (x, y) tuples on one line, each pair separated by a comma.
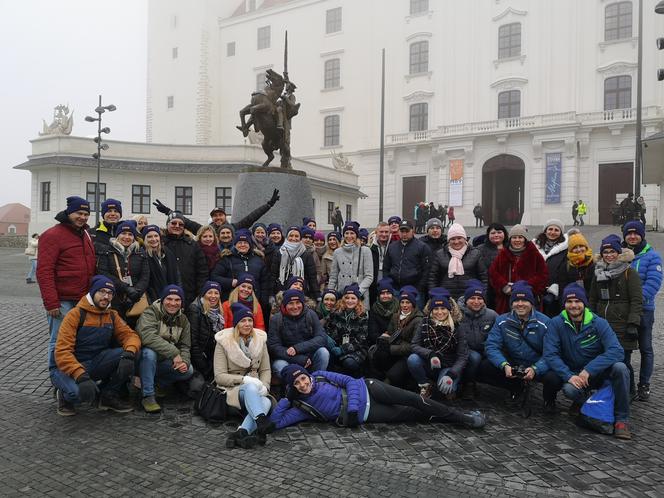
[(176, 453)]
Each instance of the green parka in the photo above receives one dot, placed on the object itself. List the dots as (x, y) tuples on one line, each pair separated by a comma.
[(167, 335)]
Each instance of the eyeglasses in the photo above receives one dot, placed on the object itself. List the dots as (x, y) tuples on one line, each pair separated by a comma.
[(105, 292), (177, 224)]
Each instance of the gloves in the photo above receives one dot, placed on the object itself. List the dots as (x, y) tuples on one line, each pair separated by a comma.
[(353, 421), (553, 289), (446, 385), (126, 365), (248, 379), (383, 343), (161, 208), (273, 200), (435, 361), (262, 390), (87, 389), (133, 294), (632, 333)]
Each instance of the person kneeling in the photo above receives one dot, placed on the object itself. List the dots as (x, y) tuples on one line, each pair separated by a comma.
[(319, 396), (84, 352), (584, 352), (242, 368)]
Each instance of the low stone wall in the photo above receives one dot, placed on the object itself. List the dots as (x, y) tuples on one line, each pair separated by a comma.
[(13, 241)]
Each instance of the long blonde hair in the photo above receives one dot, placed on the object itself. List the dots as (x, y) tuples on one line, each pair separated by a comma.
[(236, 333), (234, 297), (205, 304), (206, 228), (341, 306)]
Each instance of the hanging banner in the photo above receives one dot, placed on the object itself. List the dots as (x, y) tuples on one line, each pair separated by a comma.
[(553, 174), (456, 182)]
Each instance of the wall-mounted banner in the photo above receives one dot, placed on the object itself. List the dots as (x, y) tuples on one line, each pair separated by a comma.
[(456, 182), (553, 173)]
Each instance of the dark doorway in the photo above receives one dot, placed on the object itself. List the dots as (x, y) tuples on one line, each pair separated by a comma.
[(414, 191), (614, 178), (503, 179)]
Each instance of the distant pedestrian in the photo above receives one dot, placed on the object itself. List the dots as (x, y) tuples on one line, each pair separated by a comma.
[(575, 212), (450, 216), (31, 253), (583, 209), (479, 218)]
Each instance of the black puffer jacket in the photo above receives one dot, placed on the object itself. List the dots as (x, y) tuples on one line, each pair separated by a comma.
[(230, 267), (163, 271), (132, 264), (473, 268), (435, 244), (191, 264), (408, 264), (202, 339), (476, 326)]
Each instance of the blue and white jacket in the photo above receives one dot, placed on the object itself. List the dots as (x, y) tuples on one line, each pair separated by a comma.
[(648, 263)]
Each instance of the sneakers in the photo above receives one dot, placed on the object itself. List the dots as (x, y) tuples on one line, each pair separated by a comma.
[(242, 439), (112, 401), (150, 404), (643, 393), (474, 420), (65, 408), (425, 390), (549, 407), (621, 431)]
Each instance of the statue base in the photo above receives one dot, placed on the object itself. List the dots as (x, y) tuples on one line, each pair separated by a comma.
[(255, 186)]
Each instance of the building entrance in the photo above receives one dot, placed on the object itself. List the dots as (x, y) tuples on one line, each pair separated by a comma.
[(503, 182)]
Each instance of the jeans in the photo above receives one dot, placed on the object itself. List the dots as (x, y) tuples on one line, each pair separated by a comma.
[(645, 347), (151, 369), (54, 327), (423, 373), (619, 376), (394, 368), (100, 368), (474, 360), (32, 271), (255, 404), (319, 361)]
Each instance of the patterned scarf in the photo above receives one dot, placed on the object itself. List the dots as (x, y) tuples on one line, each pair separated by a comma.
[(604, 271), (439, 337), (216, 319), (291, 261)]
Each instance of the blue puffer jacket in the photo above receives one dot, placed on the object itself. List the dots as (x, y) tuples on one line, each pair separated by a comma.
[(522, 347), (326, 398), (648, 263), (594, 349), (304, 333)]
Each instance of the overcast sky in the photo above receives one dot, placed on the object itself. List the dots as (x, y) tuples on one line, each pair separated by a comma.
[(67, 52)]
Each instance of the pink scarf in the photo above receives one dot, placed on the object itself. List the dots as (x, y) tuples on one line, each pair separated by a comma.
[(455, 266)]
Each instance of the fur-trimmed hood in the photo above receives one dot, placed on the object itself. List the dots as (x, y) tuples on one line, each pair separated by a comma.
[(626, 256), (557, 249), (226, 340)]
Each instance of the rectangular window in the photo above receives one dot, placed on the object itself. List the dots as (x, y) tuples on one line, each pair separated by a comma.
[(223, 199), (184, 199), (349, 212), (617, 93), (333, 73), (331, 136), (419, 117), (509, 104), (260, 81), (618, 21), (170, 102), (45, 197), (418, 6), (330, 213), (251, 5), (174, 53), (333, 20), (140, 199), (90, 191), (230, 49), (263, 37), (419, 57), (509, 40)]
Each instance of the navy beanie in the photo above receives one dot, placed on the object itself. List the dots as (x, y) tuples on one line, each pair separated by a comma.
[(521, 290), (336, 235), (296, 228), (170, 290), (307, 232), (306, 220), (363, 234), (272, 227), (386, 284), (394, 219), (291, 295), (291, 372), (439, 296), (575, 291), (126, 226), (111, 203), (246, 278), (292, 279), (634, 226), (209, 285), (611, 242), (150, 228), (329, 291), (243, 235), (353, 226), (353, 289), (410, 293), (473, 288), (240, 311), (258, 225), (75, 203), (99, 282)]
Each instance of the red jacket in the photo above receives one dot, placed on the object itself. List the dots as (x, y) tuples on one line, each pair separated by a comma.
[(530, 266), (65, 263)]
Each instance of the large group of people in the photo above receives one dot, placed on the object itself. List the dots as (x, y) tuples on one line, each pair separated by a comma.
[(349, 327)]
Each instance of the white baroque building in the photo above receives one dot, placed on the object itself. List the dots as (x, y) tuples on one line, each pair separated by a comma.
[(522, 106)]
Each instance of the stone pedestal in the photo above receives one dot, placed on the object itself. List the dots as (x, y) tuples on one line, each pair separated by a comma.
[(255, 186)]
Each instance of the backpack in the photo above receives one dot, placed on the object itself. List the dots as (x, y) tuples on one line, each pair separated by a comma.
[(597, 412)]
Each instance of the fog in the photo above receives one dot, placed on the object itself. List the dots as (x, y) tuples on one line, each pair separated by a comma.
[(68, 52)]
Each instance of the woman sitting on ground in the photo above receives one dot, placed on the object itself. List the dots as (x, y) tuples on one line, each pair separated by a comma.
[(205, 319), (326, 305), (382, 310), (293, 282), (318, 396), (242, 368), (244, 294)]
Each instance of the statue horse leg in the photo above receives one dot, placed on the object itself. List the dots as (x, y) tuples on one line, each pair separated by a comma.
[(267, 148), (243, 126)]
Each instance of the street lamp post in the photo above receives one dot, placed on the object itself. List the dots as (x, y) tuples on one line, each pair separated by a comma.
[(100, 146)]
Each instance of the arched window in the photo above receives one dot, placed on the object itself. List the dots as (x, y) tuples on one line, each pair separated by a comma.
[(509, 104), (617, 93), (618, 21)]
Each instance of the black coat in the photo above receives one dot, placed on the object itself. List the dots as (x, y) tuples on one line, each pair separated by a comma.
[(230, 267), (202, 339), (310, 274), (435, 244), (191, 264), (407, 264), (473, 268), (163, 271)]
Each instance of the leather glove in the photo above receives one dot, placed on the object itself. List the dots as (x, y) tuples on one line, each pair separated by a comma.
[(353, 420), (632, 333), (161, 208), (275, 197), (446, 385), (133, 295), (434, 360), (87, 388), (126, 365)]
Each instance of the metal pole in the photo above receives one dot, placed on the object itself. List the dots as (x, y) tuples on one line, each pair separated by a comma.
[(98, 165), (639, 84), (382, 141)]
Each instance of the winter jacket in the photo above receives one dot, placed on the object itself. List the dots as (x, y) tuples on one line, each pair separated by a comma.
[(594, 349), (167, 335), (310, 277), (512, 343), (647, 262), (192, 264), (488, 253), (102, 233), (132, 263), (377, 270), (202, 338), (352, 264), (625, 302), (435, 244), (476, 326), (408, 264), (65, 264), (326, 398), (473, 268), (163, 271), (380, 321), (304, 333), (455, 353), (507, 268), (231, 364), (350, 334), (259, 320), (402, 332), (556, 264), (101, 330), (232, 266)]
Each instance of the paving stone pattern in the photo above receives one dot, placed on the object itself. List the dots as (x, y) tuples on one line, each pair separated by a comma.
[(177, 453)]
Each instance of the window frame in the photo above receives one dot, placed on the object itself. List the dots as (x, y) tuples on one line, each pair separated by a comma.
[(230, 49), (349, 212), (419, 7), (506, 109), (184, 199), (143, 206), (619, 91), (174, 53), (45, 196), (422, 117), (220, 199), (333, 24), (170, 102), (418, 59), (619, 31), (91, 190), (331, 74), (263, 37), (330, 212), (329, 127), (260, 81), (509, 49)]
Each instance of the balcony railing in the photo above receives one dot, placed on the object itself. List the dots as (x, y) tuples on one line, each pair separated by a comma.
[(524, 123)]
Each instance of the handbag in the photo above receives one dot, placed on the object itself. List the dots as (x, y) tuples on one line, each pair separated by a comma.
[(211, 405), (139, 306)]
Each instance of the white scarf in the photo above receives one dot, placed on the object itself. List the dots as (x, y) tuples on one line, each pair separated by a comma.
[(455, 266), (291, 261)]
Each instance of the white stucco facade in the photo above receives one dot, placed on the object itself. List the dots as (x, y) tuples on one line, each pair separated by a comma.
[(564, 59)]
